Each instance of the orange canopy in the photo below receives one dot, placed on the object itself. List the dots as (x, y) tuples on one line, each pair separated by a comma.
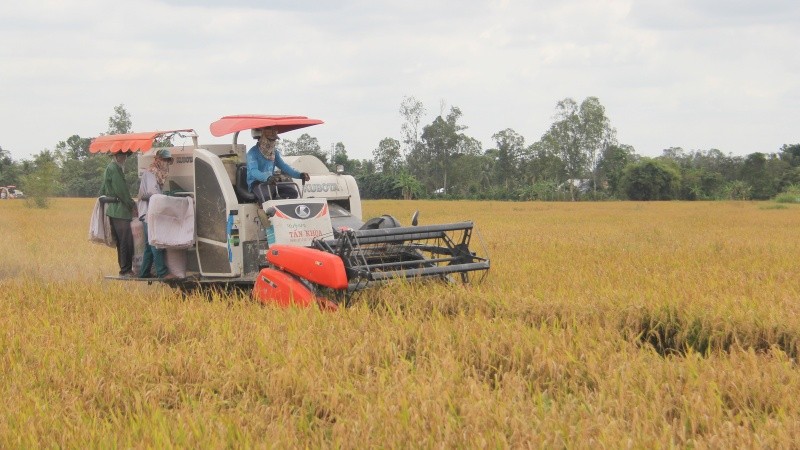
[(231, 124), (133, 142)]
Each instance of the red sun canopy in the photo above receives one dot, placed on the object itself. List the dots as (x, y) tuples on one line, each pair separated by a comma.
[(133, 142), (232, 124)]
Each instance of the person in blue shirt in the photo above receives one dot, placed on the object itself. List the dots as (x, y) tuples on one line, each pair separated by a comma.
[(262, 160)]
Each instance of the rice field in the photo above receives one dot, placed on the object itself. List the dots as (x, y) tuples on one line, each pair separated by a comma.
[(618, 325)]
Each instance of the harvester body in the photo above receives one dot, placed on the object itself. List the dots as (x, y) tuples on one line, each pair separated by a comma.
[(313, 249)]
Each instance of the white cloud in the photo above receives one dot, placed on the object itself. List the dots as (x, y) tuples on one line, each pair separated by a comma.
[(693, 74)]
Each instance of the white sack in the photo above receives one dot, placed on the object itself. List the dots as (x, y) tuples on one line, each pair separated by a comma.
[(170, 221), (176, 260), (137, 230), (100, 226)]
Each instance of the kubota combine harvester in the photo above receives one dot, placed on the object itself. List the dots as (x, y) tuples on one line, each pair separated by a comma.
[(312, 249)]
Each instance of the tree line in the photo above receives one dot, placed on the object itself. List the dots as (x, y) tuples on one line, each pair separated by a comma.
[(577, 158)]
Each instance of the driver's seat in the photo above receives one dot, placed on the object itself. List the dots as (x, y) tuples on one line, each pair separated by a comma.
[(240, 187)]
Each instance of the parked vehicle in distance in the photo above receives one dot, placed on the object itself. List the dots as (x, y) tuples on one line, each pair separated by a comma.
[(9, 192)]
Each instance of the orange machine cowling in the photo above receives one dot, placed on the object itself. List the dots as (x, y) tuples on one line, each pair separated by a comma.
[(274, 286), (316, 266)]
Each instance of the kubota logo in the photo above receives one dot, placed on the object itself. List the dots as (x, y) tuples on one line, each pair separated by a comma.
[(302, 211), (322, 187)]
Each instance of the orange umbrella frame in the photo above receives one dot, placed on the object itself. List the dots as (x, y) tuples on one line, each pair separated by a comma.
[(236, 123), (132, 142)]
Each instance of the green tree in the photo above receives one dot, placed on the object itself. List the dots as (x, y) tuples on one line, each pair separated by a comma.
[(442, 139), (417, 156), (409, 186), (340, 158), (286, 147), (714, 161), (791, 154), (611, 166), (651, 179), (541, 163), (305, 145), (42, 182), (81, 175), (762, 173), (339, 154), (579, 134), (420, 163), (377, 185), (412, 111), (469, 175), (387, 156), (510, 148), (700, 184), (711, 160), (363, 167), (738, 190), (704, 173), (597, 133), (563, 138), (9, 169), (120, 122)]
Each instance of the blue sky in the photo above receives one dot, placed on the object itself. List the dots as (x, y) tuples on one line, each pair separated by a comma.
[(694, 74)]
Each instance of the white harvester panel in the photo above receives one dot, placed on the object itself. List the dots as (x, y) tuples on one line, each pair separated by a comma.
[(215, 201), (299, 221)]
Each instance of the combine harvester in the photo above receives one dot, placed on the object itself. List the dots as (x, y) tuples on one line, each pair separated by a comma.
[(313, 249)]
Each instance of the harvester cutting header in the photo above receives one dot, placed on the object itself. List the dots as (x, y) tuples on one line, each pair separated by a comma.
[(306, 242)]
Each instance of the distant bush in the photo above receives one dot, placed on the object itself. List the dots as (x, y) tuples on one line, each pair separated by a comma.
[(651, 179), (737, 190), (789, 195), (40, 185)]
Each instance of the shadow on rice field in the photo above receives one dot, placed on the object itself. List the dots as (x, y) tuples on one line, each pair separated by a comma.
[(670, 331)]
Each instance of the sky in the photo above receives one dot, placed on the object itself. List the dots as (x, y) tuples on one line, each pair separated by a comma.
[(696, 74)]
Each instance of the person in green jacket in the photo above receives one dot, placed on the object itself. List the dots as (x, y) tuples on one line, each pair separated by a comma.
[(120, 212)]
